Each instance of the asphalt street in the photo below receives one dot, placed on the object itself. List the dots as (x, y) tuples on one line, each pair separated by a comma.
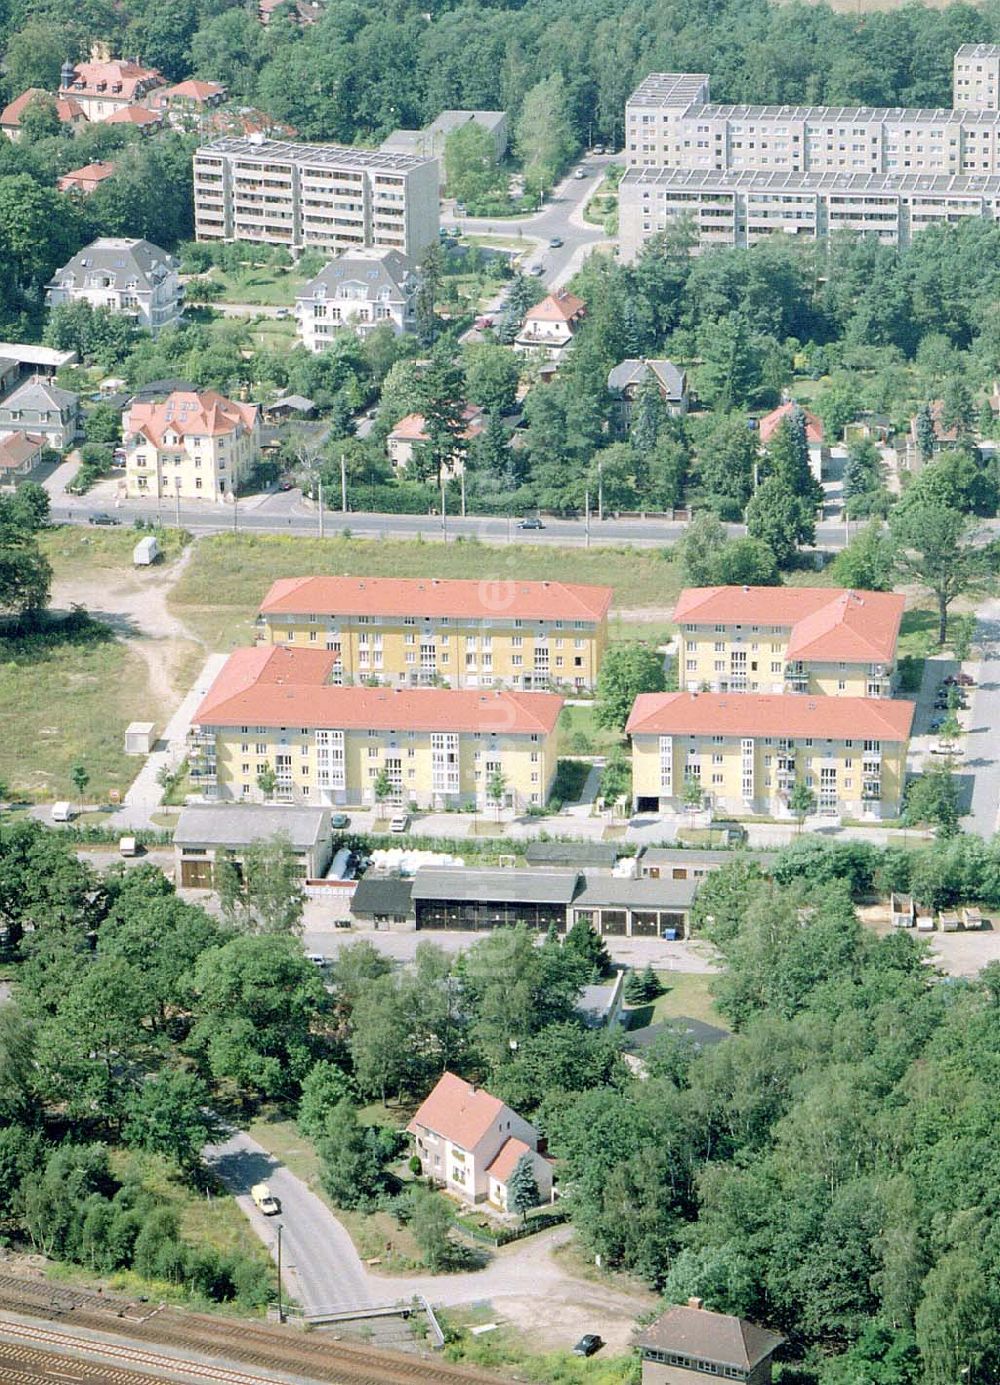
[(981, 753), (320, 1266)]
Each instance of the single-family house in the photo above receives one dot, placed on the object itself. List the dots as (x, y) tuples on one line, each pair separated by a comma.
[(187, 100), (471, 1142), (409, 432), (361, 290), (139, 117), (628, 377), (20, 453), (549, 326), (39, 407), (87, 179), (69, 112), (127, 276), (815, 436), (689, 1343), (288, 406)]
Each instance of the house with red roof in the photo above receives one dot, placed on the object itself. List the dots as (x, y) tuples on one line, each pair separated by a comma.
[(195, 446), (549, 326), (20, 453), (471, 1142), (819, 452), (822, 641), (187, 100), (69, 111), (410, 431), (86, 180), (103, 86), (287, 713), (742, 754)]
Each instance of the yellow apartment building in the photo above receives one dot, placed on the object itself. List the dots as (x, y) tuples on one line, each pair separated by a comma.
[(746, 752), (196, 446), (277, 709), (413, 632), (822, 641)]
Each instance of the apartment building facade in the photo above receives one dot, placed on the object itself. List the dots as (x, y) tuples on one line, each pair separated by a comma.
[(280, 710), (192, 446), (746, 754), (745, 171), (413, 632), (816, 641), (307, 196), (132, 277)]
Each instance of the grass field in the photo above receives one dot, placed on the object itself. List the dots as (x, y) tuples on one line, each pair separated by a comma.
[(270, 287), (684, 993), (507, 1351), (73, 550), (83, 695), (219, 593), (579, 734)]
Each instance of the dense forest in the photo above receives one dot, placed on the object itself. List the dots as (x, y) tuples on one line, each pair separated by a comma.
[(827, 1169)]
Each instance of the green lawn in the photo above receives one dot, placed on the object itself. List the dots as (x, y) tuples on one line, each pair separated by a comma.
[(918, 632), (508, 1352), (684, 993), (268, 286), (83, 695), (74, 551), (579, 734), (228, 576)]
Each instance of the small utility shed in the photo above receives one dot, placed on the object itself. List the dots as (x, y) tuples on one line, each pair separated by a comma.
[(204, 832), (584, 855), (383, 901), (140, 737), (694, 863)]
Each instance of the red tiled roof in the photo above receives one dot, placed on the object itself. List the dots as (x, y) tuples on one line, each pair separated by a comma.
[(770, 714), (506, 1161), (488, 599), (560, 306), (18, 448), (457, 1111), (134, 79), (276, 686), (824, 622), (411, 427), (191, 90), (134, 115), (771, 422), (205, 414), (88, 176), (67, 109)]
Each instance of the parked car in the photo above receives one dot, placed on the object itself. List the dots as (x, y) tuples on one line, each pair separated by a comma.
[(537, 270), (588, 1344), (62, 811), (459, 211), (483, 322), (285, 483), (531, 522), (265, 1200), (555, 242), (102, 517), (580, 173), (400, 822), (283, 312), (598, 149), (338, 821)]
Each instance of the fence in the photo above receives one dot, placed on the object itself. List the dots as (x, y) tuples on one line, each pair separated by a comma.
[(504, 1235)]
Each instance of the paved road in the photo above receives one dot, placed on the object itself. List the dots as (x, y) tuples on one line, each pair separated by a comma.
[(982, 755), (320, 1266)]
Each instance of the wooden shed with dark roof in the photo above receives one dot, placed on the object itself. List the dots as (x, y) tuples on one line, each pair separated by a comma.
[(689, 1343)]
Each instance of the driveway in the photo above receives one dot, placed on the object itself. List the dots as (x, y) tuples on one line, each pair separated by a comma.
[(320, 1266), (323, 1271), (982, 758)]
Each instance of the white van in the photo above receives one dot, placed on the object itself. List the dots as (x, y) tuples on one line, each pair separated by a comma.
[(62, 812)]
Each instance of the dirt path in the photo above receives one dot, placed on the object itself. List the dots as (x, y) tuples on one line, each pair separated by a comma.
[(134, 604)]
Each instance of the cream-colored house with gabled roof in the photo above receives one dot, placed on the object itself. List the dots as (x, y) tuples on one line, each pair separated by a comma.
[(193, 446)]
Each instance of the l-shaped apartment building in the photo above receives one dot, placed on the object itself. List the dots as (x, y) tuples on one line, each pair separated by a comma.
[(742, 172), (779, 685)]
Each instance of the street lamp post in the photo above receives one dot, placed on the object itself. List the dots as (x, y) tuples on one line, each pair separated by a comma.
[(586, 515), (281, 1309)]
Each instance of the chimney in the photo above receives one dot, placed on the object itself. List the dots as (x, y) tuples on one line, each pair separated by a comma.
[(696, 1303)]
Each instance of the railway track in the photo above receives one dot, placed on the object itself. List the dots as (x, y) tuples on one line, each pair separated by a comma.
[(231, 1345)]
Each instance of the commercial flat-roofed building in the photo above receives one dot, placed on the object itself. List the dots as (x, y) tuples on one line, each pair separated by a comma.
[(746, 752), (745, 171), (468, 634), (315, 196), (822, 641), (277, 711)]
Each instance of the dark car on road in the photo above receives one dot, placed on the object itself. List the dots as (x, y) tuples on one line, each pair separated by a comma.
[(588, 1344), (532, 522), (555, 242), (102, 517)]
